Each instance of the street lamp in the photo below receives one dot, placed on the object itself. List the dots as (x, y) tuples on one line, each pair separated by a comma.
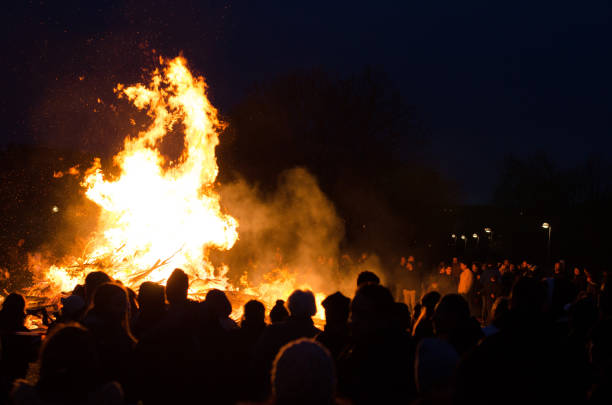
[(546, 225), (489, 232), (464, 239), (477, 237)]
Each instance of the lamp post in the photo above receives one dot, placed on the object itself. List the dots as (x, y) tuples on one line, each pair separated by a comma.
[(464, 239), (477, 237), (489, 232), (546, 225)]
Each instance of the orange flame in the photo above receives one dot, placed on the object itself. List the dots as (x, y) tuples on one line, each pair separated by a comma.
[(158, 215)]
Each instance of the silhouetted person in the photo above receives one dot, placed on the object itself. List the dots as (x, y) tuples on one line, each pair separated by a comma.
[(526, 347), (423, 326), (18, 349), (499, 316), (220, 308), (252, 326), (177, 286), (109, 324), (456, 332), (73, 309), (12, 314), (79, 290), (279, 313), (302, 307), (152, 307), (367, 277), (303, 374), (168, 357), (182, 312), (92, 281), (600, 355), (242, 347), (401, 315), (69, 372), (453, 323), (217, 351), (335, 335), (377, 367)]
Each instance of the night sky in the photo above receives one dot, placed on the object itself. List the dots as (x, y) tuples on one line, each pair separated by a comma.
[(486, 78)]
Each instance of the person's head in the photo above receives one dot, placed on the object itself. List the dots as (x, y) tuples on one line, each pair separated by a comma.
[(13, 311), (367, 277), (303, 374), (79, 290), (402, 261), (110, 303), (451, 312), (528, 297), (462, 266), (475, 267), (500, 311), (410, 259), (576, 271), (302, 304), (92, 281), (151, 297), (448, 271), (430, 300), (410, 266), (372, 311), (254, 313), (177, 287), (455, 260), (337, 308), (218, 304), (279, 313), (401, 314), (72, 307), (68, 365)]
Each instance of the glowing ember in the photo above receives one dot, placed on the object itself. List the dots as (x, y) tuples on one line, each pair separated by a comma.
[(157, 215)]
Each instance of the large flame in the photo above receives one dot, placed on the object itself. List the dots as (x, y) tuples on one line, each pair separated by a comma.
[(157, 215)]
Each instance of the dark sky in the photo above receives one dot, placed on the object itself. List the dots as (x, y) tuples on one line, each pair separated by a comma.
[(488, 78)]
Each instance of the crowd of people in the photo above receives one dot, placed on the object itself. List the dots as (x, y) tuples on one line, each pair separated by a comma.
[(467, 335)]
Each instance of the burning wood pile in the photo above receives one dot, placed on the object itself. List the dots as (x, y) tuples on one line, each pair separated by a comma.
[(157, 215)]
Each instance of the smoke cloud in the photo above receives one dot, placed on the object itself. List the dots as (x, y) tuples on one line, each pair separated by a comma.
[(295, 228)]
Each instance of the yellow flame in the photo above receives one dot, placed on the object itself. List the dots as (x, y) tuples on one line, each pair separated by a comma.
[(158, 215), (155, 219)]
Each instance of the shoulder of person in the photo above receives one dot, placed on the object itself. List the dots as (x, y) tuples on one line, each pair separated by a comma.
[(25, 393)]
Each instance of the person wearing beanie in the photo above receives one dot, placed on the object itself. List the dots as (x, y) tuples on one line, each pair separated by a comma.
[(279, 313)]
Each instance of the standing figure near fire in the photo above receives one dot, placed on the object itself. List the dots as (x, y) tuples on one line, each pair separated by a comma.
[(466, 282), (409, 282)]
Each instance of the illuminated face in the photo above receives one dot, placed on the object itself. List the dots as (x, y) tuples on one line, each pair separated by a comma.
[(576, 271), (449, 271)]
